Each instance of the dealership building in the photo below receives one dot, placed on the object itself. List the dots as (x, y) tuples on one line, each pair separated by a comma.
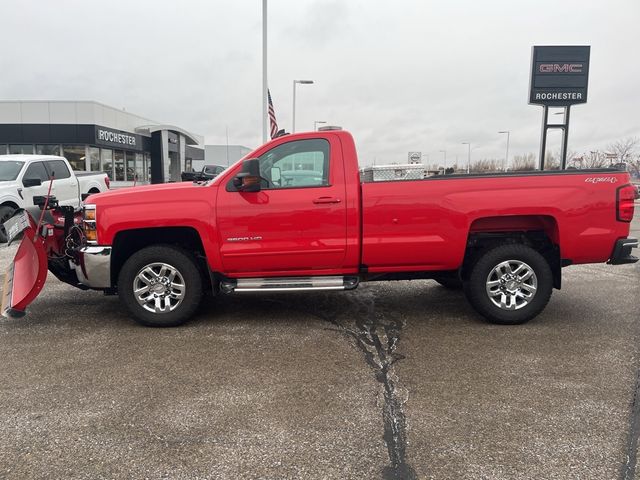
[(96, 137)]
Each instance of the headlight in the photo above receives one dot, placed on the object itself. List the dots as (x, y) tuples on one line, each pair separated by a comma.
[(89, 224)]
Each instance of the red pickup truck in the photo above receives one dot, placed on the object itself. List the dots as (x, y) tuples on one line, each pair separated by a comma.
[(294, 215)]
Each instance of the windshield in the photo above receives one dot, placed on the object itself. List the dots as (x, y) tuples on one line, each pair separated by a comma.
[(9, 170)]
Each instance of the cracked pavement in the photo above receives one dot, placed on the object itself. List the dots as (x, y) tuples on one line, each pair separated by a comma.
[(393, 380)]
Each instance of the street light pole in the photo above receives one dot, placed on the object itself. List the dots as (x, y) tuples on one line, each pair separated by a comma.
[(506, 158), (315, 124), (264, 71), (468, 144), (295, 82), (445, 160)]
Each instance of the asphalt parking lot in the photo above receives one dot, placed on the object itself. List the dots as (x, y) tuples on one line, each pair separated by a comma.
[(393, 380)]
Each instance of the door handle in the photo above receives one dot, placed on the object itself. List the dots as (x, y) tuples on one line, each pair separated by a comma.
[(326, 200)]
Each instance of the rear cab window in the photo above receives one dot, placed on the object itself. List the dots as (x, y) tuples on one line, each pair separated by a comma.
[(58, 169)]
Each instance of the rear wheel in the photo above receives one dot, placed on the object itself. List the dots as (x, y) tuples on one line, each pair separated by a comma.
[(6, 212), (510, 284), (161, 286)]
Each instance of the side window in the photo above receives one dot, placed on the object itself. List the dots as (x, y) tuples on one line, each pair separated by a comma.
[(298, 164), (36, 170), (59, 168)]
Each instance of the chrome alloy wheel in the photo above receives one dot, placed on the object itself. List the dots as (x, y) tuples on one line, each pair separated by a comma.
[(159, 288), (511, 285)]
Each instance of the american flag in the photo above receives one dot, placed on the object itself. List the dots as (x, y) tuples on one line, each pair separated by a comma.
[(272, 117)]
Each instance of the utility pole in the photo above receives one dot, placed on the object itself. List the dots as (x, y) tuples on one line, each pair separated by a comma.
[(445, 160), (468, 144), (506, 158), (264, 71)]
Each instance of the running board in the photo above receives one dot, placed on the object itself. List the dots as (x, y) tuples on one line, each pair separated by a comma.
[(288, 284)]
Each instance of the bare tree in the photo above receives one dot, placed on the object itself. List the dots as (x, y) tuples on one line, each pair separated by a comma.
[(575, 160), (486, 165), (551, 161), (625, 148), (524, 162), (595, 159)]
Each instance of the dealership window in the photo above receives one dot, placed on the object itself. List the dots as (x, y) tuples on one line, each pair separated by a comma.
[(140, 168), (75, 155), (48, 150), (106, 162), (21, 149), (118, 163), (3, 149), (131, 166), (94, 159), (147, 167)]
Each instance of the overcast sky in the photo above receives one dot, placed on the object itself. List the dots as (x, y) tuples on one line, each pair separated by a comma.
[(401, 76)]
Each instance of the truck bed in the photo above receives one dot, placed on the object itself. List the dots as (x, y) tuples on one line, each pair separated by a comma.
[(425, 224)]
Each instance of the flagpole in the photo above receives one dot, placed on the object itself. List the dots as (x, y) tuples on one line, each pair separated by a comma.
[(264, 71)]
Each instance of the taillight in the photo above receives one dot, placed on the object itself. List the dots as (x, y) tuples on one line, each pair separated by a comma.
[(107, 181), (625, 196)]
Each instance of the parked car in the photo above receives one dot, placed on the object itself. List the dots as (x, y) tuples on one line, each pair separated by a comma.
[(504, 237), (208, 172), (24, 176)]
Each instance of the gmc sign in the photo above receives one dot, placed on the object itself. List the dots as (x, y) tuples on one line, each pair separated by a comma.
[(559, 75), (557, 68)]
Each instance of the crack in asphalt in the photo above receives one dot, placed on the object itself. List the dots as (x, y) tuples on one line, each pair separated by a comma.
[(629, 466), (377, 336)]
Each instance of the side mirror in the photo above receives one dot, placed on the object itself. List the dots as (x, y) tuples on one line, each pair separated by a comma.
[(248, 180), (31, 182)]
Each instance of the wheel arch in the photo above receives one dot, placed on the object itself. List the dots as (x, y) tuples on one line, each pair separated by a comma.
[(128, 242), (540, 232), (518, 223), (9, 203)]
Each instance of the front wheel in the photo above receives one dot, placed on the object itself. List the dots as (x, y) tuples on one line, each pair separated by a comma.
[(161, 286), (509, 284)]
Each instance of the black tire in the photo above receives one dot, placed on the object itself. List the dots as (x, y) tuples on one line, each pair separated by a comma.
[(187, 277), (450, 282), (6, 212), (509, 257)]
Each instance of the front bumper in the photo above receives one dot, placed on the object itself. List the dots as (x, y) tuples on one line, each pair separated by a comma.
[(94, 268), (622, 252)]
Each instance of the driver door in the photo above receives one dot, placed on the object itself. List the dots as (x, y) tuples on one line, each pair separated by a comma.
[(296, 224)]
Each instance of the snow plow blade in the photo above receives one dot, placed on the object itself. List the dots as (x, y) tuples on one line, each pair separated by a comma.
[(27, 273)]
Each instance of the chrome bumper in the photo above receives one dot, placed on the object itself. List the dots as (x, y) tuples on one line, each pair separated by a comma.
[(94, 269)]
